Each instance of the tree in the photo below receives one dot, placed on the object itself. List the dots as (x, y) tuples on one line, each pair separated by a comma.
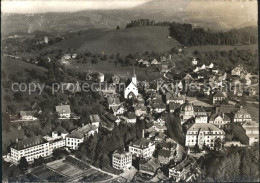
[(23, 165), (117, 27), (104, 161)]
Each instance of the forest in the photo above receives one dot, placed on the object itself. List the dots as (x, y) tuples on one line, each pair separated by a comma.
[(191, 36)]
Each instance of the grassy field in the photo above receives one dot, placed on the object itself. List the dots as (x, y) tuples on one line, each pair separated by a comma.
[(124, 41)]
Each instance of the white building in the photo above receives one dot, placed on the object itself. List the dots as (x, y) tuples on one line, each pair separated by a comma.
[(194, 61), (77, 136), (201, 119), (28, 115), (131, 88), (219, 120), (122, 160), (186, 112), (203, 133), (242, 116), (95, 120), (63, 111), (31, 148), (142, 147)]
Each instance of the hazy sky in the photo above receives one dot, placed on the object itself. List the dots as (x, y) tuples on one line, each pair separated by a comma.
[(42, 6)]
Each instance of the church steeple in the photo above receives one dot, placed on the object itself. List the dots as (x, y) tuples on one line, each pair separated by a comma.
[(134, 79)]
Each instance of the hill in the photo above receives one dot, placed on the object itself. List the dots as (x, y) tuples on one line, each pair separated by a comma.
[(124, 41)]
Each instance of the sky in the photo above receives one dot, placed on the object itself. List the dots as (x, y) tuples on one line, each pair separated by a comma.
[(43, 6)]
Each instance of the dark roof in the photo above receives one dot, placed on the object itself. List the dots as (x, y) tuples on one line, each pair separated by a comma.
[(164, 153), (131, 115), (60, 129), (142, 143), (174, 106), (30, 142), (219, 94), (94, 118)]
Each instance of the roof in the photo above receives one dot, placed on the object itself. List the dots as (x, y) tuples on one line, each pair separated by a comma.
[(160, 105), (164, 153), (214, 116), (60, 129), (113, 100), (28, 113), (251, 126), (242, 112), (141, 107), (81, 132), (30, 142), (203, 127), (172, 96), (174, 106), (94, 118), (185, 163), (142, 143), (121, 154), (62, 109), (219, 94), (153, 162)]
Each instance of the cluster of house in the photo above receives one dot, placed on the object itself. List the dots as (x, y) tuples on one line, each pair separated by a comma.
[(68, 57), (164, 64), (205, 123)]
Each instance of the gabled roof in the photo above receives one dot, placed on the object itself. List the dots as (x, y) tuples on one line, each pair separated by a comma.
[(214, 116), (94, 118), (62, 109), (30, 142), (142, 143), (81, 132), (203, 127), (27, 113), (219, 94)]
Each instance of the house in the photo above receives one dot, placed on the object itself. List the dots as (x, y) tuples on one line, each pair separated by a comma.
[(131, 90), (165, 156), (131, 117), (180, 172), (118, 110), (160, 137), (203, 67), (219, 119), (199, 110), (196, 70), (157, 128), (140, 110), (121, 160), (28, 115), (242, 116), (173, 106), (101, 77), (115, 79), (146, 63), (95, 120), (218, 97), (175, 98), (164, 67), (201, 119), (159, 107), (186, 112), (211, 65), (78, 136), (30, 148), (142, 147), (63, 111), (194, 61), (113, 102), (149, 166), (203, 134), (237, 71), (155, 62)]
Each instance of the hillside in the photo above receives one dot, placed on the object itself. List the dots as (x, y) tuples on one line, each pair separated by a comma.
[(125, 41)]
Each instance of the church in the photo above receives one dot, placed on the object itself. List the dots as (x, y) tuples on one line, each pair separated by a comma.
[(131, 89)]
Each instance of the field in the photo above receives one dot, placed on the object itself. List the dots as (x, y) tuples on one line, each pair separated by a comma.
[(44, 173), (124, 41)]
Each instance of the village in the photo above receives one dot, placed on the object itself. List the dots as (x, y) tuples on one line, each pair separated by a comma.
[(205, 104)]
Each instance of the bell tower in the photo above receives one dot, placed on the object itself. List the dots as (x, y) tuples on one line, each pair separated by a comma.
[(134, 79)]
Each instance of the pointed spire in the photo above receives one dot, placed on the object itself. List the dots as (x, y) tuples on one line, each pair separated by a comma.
[(134, 71)]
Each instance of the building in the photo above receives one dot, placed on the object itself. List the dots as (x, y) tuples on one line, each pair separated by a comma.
[(77, 136), (173, 106), (165, 156), (242, 115), (201, 119), (113, 102), (175, 98), (237, 71), (219, 119), (194, 61), (131, 117), (142, 147), (122, 160), (140, 110), (95, 120), (101, 77), (203, 134), (118, 110), (218, 98), (63, 111), (28, 115), (186, 112), (149, 166), (181, 171), (159, 107), (31, 148), (115, 79), (131, 90)]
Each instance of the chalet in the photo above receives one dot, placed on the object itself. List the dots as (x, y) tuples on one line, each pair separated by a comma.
[(219, 119), (149, 166), (63, 111), (165, 156), (28, 115), (218, 97), (242, 116), (95, 120)]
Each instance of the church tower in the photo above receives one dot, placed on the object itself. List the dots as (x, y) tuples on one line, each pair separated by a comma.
[(134, 79)]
